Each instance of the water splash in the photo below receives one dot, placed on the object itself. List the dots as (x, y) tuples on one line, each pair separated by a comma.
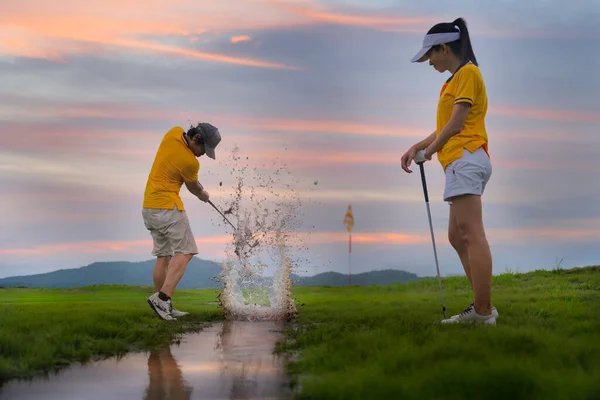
[(266, 210)]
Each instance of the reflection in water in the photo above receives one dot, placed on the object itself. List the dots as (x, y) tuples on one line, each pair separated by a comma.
[(229, 360), (247, 360), (165, 378)]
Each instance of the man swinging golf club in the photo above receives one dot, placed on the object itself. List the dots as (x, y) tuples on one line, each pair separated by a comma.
[(163, 212)]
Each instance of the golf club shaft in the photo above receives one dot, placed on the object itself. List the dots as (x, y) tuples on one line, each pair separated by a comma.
[(437, 266), (223, 215)]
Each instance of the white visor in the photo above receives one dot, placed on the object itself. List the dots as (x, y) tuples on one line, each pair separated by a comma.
[(433, 39)]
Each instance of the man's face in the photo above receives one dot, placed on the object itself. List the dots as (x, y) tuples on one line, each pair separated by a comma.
[(197, 146)]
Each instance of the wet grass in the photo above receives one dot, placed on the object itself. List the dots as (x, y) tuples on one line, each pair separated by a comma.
[(381, 342), (43, 330), (257, 296)]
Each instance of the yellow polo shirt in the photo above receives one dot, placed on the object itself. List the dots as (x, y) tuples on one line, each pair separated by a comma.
[(467, 86), (174, 164)]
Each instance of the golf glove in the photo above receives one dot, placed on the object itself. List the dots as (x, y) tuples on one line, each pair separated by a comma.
[(420, 157)]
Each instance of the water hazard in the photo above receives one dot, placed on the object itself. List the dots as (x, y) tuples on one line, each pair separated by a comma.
[(228, 360)]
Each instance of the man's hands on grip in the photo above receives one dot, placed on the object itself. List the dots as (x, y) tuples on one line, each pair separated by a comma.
[(197, 190), (203, 196)]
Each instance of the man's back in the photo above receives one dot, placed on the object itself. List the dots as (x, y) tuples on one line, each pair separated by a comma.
[(174, 164)]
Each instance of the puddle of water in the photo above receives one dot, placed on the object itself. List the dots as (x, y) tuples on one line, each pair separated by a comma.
[(228, 360)]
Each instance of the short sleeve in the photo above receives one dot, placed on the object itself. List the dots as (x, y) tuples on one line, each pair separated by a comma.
[(467, 83), (189, 171)]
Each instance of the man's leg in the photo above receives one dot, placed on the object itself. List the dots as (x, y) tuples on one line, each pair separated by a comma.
[(182, 242), (467, 210), (184, 247), (160, 271), (175, 272), (154, 221)]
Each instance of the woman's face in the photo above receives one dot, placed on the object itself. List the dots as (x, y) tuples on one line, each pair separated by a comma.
[(439, 58)]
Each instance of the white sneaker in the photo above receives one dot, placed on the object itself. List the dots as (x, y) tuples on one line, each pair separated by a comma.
[(161, 308), (176, 313), (494, 311), (469, 315)]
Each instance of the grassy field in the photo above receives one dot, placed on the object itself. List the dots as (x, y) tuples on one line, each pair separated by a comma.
[(382, 342), (45, 329), (378, 342)]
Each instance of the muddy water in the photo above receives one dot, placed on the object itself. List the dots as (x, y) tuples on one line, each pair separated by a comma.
[(229, 360)]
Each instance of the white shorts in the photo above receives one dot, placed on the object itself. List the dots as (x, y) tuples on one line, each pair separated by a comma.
[(467, 175)]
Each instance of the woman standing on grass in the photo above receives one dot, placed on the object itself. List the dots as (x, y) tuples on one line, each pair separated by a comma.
[(461, 143)]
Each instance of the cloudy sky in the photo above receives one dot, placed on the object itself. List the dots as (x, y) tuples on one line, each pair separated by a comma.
[(88, 89)]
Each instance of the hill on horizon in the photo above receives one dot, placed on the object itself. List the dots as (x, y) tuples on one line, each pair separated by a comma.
[(200, 274)]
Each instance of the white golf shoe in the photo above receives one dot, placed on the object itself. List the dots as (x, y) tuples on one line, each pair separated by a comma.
[(471, 316), (494, 311), (176, 313), (161, 308)]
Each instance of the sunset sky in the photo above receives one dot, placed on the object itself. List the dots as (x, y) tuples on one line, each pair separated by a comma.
[(88, 89)]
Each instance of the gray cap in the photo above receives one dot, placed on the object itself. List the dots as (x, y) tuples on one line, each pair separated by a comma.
[(211, 136)]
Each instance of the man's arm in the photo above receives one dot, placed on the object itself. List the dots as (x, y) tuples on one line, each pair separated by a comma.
[(197, 190)]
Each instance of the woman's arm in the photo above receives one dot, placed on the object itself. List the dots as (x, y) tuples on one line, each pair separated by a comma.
[(454, 126), (423, 144)]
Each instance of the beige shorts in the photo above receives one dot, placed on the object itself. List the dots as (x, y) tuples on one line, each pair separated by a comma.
[(170, 230)]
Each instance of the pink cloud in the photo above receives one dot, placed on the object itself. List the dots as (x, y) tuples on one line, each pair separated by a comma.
[(496, 236), (128, 246), (377, 21), (74, 28), (136, 44), (53, 31), (125, 145), (242, 38)]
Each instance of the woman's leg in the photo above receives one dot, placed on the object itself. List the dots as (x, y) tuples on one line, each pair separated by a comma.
[(467, 211), (457, 242)]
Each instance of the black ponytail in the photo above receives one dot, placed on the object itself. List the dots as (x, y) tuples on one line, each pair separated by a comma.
[(462, 47), (465, 51)]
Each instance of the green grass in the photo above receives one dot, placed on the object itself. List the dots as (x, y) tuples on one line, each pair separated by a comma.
[(377, 342), (258, 296), (45, 329), (381, 342)]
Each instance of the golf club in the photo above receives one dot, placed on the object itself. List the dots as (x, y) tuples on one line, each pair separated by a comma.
[(223, 215), (237, 252), (420, 159)]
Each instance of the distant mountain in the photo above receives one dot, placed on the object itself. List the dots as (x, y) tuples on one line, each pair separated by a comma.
[(200, 274), (383, 277)]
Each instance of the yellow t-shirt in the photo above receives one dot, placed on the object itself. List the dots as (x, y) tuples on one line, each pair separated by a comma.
[(174, 164), (467, 86)]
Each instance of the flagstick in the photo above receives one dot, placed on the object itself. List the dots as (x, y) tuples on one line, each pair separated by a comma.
[(349, 259), (349, 221)]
